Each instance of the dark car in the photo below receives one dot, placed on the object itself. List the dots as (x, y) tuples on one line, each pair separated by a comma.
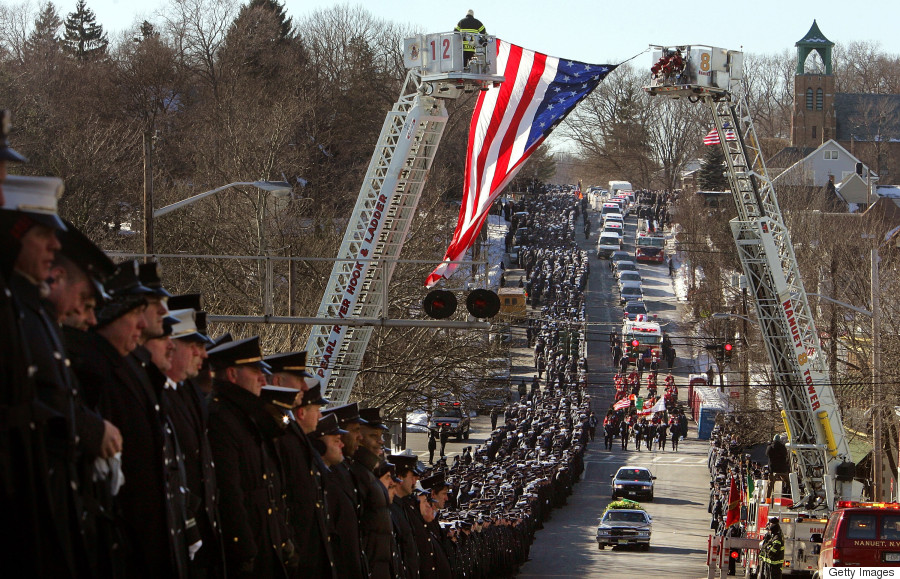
[(633, 482), (625, 527), (636, 308), (453, 417)]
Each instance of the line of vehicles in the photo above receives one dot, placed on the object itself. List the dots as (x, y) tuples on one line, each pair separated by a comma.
[(640, 330)]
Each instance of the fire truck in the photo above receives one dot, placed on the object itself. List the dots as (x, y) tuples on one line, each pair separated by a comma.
[(649, 248), (381, 220), (639, 336), (821, 472), (798, 526)]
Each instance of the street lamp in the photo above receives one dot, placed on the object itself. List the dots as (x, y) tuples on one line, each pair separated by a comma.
[(277, 188), (726, 315)]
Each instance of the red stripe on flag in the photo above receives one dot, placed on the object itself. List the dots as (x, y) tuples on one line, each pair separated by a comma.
[(534, 77), (500, 107)]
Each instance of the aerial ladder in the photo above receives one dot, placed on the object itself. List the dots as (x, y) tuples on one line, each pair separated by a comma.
[(387, 201), (822, 473)]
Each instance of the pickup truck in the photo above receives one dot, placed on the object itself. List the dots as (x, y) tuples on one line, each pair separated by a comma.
[(453, 417)]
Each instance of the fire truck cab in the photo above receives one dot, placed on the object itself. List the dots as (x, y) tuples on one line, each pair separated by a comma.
[(860, 535), (639, 336)]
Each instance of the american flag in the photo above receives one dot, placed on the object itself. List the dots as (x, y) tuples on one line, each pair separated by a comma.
[(511, 121), (622, 404), (712, 137)]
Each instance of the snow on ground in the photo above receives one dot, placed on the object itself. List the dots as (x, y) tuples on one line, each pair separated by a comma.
[(417, 421)]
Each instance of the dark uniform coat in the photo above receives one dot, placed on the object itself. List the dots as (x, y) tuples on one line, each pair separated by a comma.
[(29, 539), (341, 498), (72, 428), (188, 415), (403, 535), (305, 497), (150, 504), (248, 473), (432, 559), (375, 517)]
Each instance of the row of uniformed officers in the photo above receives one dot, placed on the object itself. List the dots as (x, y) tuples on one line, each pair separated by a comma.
[(134, 445)]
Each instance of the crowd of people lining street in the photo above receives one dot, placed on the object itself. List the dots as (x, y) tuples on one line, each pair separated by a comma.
[(136, 445)]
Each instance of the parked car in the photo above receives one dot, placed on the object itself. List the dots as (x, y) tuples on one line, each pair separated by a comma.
[(633, 481), (621, 526), (630, 291)]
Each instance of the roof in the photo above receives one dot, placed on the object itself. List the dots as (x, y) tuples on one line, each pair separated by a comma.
[(788, 156), (814, 38), (867, 117)]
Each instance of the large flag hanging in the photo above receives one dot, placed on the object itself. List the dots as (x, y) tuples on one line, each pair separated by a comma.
[(511, 121), (734, 504), (712, 137)]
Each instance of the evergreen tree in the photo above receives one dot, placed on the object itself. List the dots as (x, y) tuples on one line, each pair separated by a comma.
[(277, 9), (44, 39), (711, 176), (84, 38)]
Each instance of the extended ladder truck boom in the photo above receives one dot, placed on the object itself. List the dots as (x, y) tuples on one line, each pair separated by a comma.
[(818, 443), (387, 201)]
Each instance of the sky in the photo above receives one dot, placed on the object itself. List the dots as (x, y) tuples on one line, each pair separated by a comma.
[(601, 32)]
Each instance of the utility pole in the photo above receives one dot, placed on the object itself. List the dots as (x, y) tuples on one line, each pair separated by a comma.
[(148, 192), (877, 401)]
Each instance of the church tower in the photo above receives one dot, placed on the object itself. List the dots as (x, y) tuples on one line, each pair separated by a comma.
[(813, 122)]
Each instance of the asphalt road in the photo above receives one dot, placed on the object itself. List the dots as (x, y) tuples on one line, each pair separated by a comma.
[(566, 546)]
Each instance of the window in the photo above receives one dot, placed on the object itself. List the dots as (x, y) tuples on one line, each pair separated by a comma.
[(831, 155), (862, 527), (809, 99), (890, 527), (819, 99), (815, 132)]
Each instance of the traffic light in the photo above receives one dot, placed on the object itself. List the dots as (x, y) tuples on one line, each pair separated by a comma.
[(635, 343), (483, 303), (734, 557), (439, 304), (727, 350)]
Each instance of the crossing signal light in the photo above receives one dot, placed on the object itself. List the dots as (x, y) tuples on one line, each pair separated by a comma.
[(735, 554), (439, 304), (635, 343), (483, 303)]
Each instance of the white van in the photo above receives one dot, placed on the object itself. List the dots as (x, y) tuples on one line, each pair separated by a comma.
[(616, 186), (610, 208), (607, 243)]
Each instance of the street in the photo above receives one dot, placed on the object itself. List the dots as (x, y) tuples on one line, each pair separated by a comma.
[(566, 546)]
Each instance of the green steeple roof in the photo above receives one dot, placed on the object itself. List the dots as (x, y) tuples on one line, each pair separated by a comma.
[(814, 40)]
